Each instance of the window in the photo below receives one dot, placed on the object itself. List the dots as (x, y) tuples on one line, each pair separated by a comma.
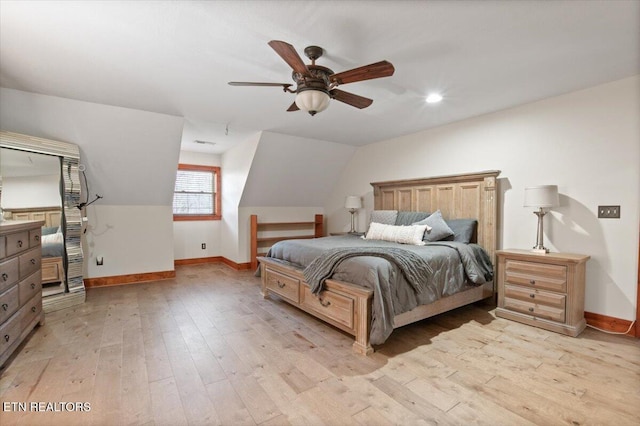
[(197, 193)]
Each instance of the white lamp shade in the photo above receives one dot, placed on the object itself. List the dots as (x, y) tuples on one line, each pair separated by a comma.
[(541, 196), (353, 202), (312, 100)]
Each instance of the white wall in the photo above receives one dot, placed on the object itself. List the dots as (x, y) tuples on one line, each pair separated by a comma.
[(236, 164), (188, 236), (586, 142), (31, 191), (130, 239)]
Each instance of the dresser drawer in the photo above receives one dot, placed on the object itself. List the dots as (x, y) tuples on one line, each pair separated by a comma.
[(30, 261), (283, 285), (535, 309), (29, 286), (8, 303), (9, 273), (331, 305), (537, 275), (9, 333), (17, 242), (533, 295), (30, 310), (3, 247), (34, 237)]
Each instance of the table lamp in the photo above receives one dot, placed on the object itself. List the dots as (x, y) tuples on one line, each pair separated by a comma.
[(541, 197)]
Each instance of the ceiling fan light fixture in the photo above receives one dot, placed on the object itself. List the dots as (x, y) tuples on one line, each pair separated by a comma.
[(312, 101)]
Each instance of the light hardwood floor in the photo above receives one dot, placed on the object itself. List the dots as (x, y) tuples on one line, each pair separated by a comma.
[(205, 348)]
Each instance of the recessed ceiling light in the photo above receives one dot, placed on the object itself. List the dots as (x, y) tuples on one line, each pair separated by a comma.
[(434, 98)]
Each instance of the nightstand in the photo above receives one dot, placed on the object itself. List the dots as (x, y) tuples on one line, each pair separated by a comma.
[(542, 290)]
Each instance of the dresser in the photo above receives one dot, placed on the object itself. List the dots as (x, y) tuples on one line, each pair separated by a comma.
[(542, 290), (20, 283)]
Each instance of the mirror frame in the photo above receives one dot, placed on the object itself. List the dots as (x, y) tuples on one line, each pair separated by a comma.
[(72, 220)]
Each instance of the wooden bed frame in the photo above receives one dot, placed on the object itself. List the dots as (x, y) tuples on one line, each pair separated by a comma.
[(348, 306)]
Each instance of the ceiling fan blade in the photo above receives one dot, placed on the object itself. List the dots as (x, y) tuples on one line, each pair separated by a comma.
[(293, 107), (351, 99), (249, 83), (367, 72), (290, 56)]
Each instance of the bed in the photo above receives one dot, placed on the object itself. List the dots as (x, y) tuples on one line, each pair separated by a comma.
[(367, 296)]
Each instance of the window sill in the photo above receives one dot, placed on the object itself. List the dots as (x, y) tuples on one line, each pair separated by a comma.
[(180, 218)]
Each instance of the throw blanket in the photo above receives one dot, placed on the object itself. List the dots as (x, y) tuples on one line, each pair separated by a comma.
[(415, 269)]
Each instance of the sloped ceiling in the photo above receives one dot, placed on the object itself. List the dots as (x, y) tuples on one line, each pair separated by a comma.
[(293, 172), (130, 155), (176, 57)]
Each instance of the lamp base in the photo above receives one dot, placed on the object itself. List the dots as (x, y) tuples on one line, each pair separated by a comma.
[(540, 250)]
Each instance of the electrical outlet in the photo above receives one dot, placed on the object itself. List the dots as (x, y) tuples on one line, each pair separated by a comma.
[(609, 212), (99, 260), (204, 246)]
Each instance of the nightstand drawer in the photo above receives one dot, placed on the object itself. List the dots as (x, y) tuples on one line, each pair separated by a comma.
[(534, 309), (542, 297), (537, 275), (283, 285)]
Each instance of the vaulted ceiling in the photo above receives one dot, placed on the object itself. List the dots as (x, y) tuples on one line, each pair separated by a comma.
[(176, 57)]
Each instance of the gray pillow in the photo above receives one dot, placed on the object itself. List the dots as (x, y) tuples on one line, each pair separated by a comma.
[(385, 217), (48, 230), (409, 218), (464, 230), (439, 228)]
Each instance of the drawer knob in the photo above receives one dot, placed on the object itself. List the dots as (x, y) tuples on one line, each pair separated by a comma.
[(532, 296), (281, 284), (5, 277), (6, 337), (33, 261), (37, 238), (33, 286), (19, 243), (532, 282), (530, 309), (5, 306), (33, 309), (324, 303)]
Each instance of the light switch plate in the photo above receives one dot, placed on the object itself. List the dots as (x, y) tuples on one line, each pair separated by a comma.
[(609, 212)]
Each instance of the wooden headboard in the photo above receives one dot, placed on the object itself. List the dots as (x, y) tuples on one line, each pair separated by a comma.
[(463, 196), (51, 215)]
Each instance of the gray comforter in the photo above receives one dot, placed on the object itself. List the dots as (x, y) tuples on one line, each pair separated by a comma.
[(454, 266)]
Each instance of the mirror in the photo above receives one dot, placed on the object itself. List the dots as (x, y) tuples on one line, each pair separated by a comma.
[(57, 165)]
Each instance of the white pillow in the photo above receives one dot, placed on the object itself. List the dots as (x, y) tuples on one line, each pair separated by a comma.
[(52, 238), (411, 234)]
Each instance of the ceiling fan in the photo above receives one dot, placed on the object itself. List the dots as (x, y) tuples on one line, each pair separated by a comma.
[(316, 85)]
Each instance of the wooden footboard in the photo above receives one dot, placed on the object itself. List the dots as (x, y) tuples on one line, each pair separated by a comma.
[(342, 305), (348, 306), (52, 270)]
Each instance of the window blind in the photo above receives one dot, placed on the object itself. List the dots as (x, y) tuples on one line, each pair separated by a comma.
[(194, 193)]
